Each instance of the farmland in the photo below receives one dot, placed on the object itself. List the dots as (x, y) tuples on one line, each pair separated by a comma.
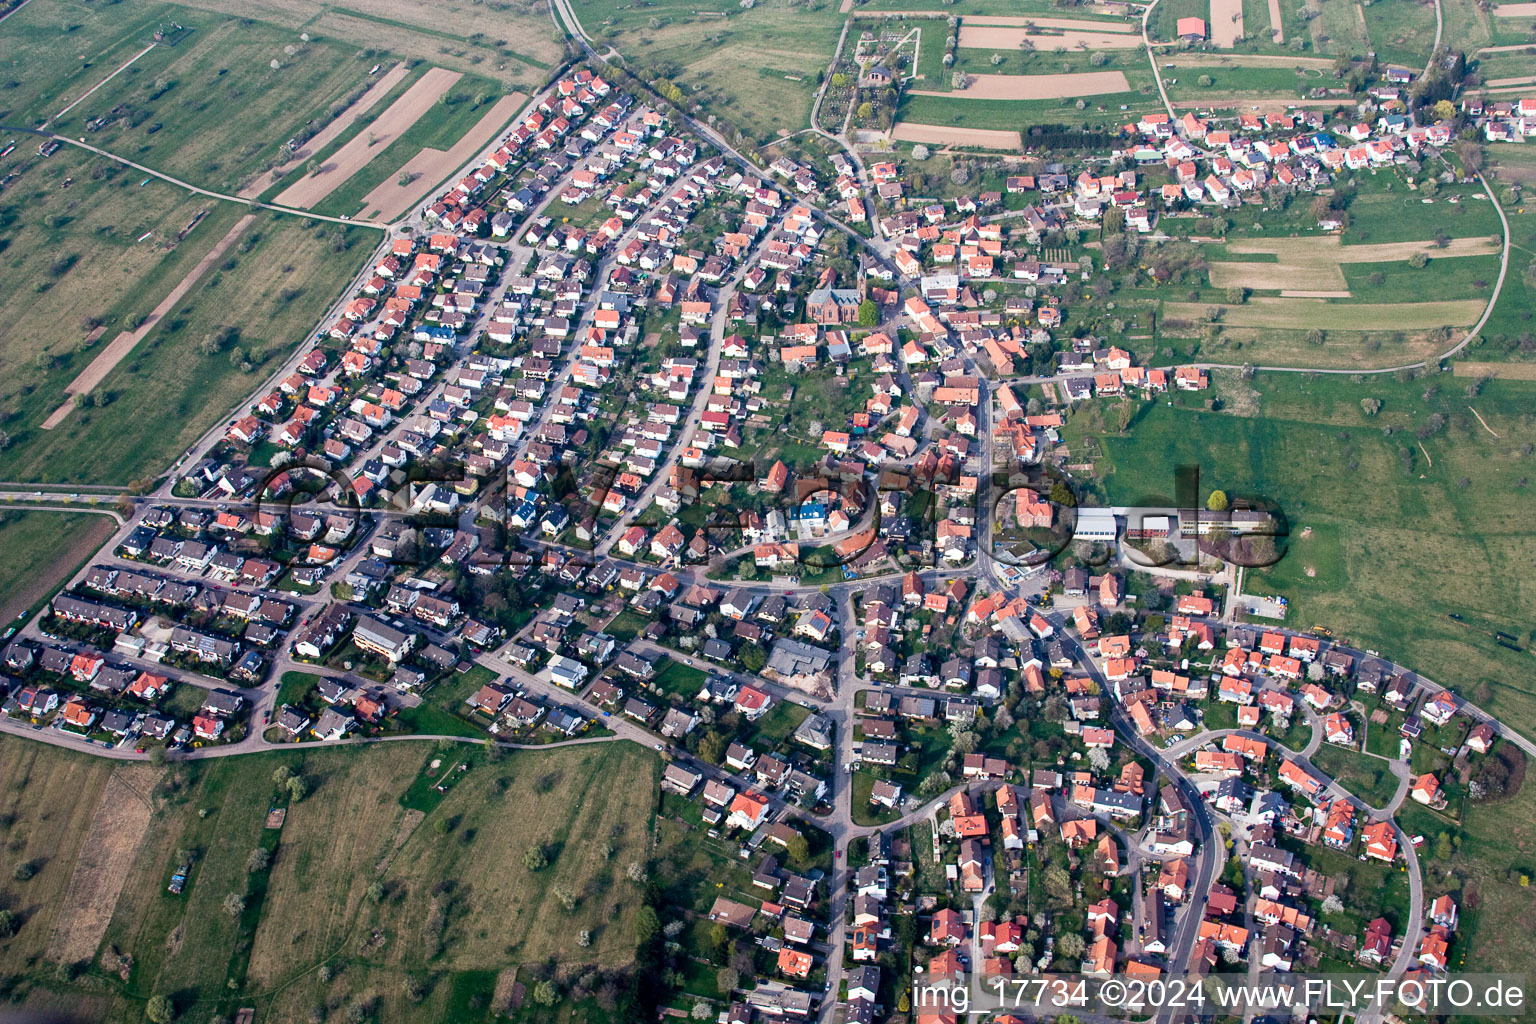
[(465, 878), (216, 104), (38, 549), (756, 68), (260, 301), (460, 109), (1396, 543), (511, 40)]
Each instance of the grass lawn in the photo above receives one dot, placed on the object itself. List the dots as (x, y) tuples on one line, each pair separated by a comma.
[(1367, 777), (1402, 31), (1396, 543), (626, 625), (681, 680), (459, 890), (1017, 115), (781, 721), (295, 686), (864, 813), (269, 291), (39, 551)]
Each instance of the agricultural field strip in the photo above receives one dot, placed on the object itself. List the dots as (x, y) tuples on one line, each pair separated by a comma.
[(1065, 23), (430, 167), (325, 136), (124, 343), (396, 119), (985, 37), (1226, 23), (1314, 265), (941, 135), (1301, 314), (1037, 87)]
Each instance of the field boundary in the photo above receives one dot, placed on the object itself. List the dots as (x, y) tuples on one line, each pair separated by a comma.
[(117, 350)]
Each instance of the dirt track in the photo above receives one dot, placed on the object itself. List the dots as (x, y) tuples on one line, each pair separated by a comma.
[(999, 37), (1504, 371), (397, 119), (325, 136), (431, 166), (117, 350), (1039, 87), (941, 135)]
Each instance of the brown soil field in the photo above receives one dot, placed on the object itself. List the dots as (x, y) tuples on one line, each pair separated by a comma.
[(1514, 10), (386, 128), (1302, 293), (1039, 87), (1497, 83), (117, 350), (106, 857), (1311, 277), (1275, 22), (431, 166), (325, 136), (1066, 23), (940, 135), (999, 37), (1504, 371), (1226, 22)]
